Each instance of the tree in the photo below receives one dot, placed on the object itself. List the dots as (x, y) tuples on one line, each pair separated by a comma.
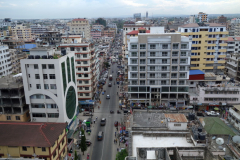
[(101, 21), (121, 155), (75, 156), (106, 64), (83, 145), (120, 57)]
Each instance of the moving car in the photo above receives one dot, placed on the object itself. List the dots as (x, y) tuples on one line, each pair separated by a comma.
[(87, 113), (100, 135), (103, 122), (108, 97), (109, 84), (88, 142)]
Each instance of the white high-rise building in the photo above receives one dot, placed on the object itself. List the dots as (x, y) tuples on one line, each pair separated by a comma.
[(158, 67), (50, 86), (5, 61)]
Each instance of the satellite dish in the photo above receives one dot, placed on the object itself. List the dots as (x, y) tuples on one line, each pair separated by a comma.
[(236, 139), (219, 141)]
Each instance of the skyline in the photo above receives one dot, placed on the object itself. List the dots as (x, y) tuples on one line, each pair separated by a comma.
[(26, 9)]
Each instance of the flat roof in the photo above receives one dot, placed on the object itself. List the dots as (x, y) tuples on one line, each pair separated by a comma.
[(176, 117), (140, 141), (9, 81), (195, 72)]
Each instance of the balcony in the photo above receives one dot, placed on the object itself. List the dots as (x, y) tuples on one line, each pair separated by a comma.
[(223, 44)]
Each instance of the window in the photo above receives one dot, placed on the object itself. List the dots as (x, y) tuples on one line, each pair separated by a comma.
[(175, 46), (134, 61), (134, 46), (79, 68), (53, 86), (35, 66), (152, 46), (182, 75), (84, 48), (86, 88), (134, 82), (80, 82), (86, 82), (85, 75), (177, 125), (134, 75), (142, 61), (152, 82), (142, 68), (152, 68), (163, 82), (53, 115), (183, 61), (152, 54), (86, 94), (165, 46), (142, 75), (164, 54), (152, 61), (38, 86), (51, 66), (46, 86), (183, 46), (142, 82), (152, 75), (85, 62), (174, 68), (78, 62), (8, 117), (52, 76), (174, 75), (164, 75), (182, 68), (164, 61), (43, 149), (39, 115), (37, 76), (181, 82), (174, 54), (174, 61), (164, 68), (134, 68), (44, 66), (84, 55), (45, 76), (24, 148), (142, 46), (85, 69), (183, 54), (142, 54), (134, 54), (174, 82)]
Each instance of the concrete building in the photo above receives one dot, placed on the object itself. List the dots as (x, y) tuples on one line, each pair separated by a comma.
[(234, 116), (209, 47), (158, 69), (37, 29), (20, 31), (109, 33), (5, 61), (50, 38), (46, 141), (86, 68), (13, 105), (16, 56), (50, 86), (192, 19), (203, 17), (98, 26), (147, 14), (137, 15), (96, 33), (80, 26), (6, 22), (222, 19)]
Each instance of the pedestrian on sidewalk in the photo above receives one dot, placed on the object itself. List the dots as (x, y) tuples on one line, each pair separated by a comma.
[(114, 141), (117, 149), (115, 134), (94, 121)]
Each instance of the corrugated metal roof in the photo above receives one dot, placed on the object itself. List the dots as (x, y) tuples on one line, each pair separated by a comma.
[(176, 117), (195, 72)]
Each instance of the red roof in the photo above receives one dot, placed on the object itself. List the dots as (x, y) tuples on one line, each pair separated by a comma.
[(79, 19), (141, 28), (136, 32), (35, 134), (230, 39)]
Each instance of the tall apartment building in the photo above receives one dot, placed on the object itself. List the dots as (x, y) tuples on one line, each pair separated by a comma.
[(16, 56), (50, 86), (5, 61), (37, 29), (192, 19), (158, 69), (202, 17), (80, 26), (13, 105), (86, 67), (20, 31), (209, 46)]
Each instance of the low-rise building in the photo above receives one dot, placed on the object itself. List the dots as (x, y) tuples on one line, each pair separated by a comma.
[(46, 141), (96, 33)]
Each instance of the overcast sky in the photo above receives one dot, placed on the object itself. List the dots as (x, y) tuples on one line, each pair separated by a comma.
[(30, 9)]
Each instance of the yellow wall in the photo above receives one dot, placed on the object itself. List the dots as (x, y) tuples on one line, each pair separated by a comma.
[(204, 45), (15, 152), (23, 117)]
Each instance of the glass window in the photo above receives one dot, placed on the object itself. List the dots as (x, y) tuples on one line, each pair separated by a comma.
[(152, 54), (134, 61), (152, 82), (86, 88), (152, 75), (35, 66), (164, 54), (183, 53), (142, 61), (53, 86), (80, 82), (52, 76), (174, 61), (163, 82), (165, 46), (38, 86), (142, 54), (85, 62), (174, 68), (152, 68), (164, 61), (142, 75), (134, 46), (152, 61), (174, 54), (51, 66), (152, 46), (134, 75), (134, 68), (45, 76), (37, 76), (175, 46), (142, 68), (142, 82), (164, 75), (142, 46), (183, 46), (182, 68), (183, 60), (134, 82), (84, 55), (164, 68), (44, 66), (46, 86), (134, 54), (17, 117)]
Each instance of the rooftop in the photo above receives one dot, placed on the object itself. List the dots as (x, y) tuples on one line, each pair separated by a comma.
[(192, 25), (10, 82), (195, 72), (79, 19), (36, 134), (176, 117), (136, 32)]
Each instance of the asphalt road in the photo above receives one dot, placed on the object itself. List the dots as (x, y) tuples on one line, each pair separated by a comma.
[(106, 149)]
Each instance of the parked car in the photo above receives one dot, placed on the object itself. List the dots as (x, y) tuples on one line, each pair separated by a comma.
[(103, 122), (87, 113), (88, 142)]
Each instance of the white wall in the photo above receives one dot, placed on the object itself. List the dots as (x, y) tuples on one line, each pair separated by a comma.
[(172, 127)]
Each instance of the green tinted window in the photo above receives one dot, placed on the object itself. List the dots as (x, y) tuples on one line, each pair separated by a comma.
[(68, 70), (64, 76), (73, 69)]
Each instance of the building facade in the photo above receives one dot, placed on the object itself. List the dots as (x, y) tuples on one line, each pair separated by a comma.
[(50, 86), (20, 31), (5, 61), (85, 60), (80, 26), (209, 47), (46, 141), (38, 29), (16, 56), (202, 17), (96, 33), (158, 69)]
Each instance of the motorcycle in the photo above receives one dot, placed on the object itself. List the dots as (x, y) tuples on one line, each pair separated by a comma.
[(111, 112), (118, 112)]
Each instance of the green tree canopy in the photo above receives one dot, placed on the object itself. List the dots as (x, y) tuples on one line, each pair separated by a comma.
[(101, 21), (121, 155), (83, 145)]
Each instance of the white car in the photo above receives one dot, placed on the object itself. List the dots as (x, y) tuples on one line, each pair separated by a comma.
[(108, 97)]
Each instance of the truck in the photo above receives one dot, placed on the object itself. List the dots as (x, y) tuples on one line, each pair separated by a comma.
[(110, 77), (212, 113)]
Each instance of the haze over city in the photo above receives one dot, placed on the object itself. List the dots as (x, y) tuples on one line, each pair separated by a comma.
[(30, 9)]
